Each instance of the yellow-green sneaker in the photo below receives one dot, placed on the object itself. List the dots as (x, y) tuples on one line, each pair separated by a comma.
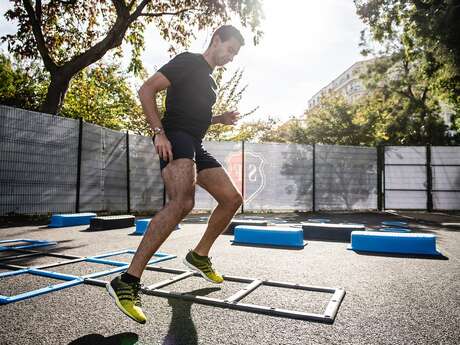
[(127, 299), (202, 265)]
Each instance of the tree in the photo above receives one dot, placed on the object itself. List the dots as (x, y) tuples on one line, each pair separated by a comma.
[(258, 131), (22, 86), (229, 95), (71, 35), (401, 106), (101, 95), (332, 122), (427, 33)]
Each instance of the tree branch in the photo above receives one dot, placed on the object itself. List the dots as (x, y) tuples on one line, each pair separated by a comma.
[(38, 11), (131, 4), (50, 65), (68, 2), (139, 10), (120, 7), (114, 37), (159, 14), (424, 94)]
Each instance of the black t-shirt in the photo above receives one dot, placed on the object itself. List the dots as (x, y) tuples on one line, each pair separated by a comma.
[(190, 97)]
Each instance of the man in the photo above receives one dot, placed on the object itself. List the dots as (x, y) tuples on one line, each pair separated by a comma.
[(184, 162)]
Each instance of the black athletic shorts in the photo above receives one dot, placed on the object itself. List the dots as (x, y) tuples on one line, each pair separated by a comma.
[(185, 145)]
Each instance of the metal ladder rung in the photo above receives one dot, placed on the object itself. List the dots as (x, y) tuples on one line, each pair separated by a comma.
[(170, 281), (244, 292)]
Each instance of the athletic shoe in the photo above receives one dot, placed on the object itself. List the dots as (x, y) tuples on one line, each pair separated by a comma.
[(127, 298), (202, 265)]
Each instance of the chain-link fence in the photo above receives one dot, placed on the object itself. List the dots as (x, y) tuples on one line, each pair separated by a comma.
[(52, 164)]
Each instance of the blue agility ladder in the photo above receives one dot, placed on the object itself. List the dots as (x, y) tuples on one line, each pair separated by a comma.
[(70, 280)]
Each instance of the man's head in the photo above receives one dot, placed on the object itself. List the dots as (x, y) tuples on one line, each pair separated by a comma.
[(225, 44)]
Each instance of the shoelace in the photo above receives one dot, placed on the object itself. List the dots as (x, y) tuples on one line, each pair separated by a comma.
[(208, 261), (137, 298)]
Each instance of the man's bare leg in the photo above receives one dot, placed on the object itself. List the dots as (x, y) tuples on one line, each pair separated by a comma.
[(217, 183), (179, 177)]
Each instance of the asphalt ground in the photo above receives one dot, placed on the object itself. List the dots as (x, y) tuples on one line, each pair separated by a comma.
[(389, 299)]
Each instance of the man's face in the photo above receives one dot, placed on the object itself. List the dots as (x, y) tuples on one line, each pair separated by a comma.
[(226, 51)]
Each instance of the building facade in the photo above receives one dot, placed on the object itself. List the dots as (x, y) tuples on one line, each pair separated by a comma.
[(348, 84)]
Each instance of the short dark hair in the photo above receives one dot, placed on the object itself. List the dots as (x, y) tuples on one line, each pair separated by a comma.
[(225, 32)]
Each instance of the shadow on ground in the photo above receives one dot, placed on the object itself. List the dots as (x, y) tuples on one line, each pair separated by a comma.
[(23, 257), (97, 339), (182, 329)]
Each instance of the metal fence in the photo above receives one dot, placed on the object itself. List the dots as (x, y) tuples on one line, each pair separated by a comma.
[(422, 177), (52, 164)]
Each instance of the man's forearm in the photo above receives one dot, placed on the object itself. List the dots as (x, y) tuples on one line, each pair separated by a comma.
[(150, 108), (216, 119)]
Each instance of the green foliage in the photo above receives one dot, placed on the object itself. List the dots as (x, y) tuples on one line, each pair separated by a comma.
[(258, 131), (101, 95), (21, 86), (401, 107), (425, 34), (333, 121)]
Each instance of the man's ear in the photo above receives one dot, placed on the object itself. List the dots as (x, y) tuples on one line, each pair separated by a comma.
[(216, 41)]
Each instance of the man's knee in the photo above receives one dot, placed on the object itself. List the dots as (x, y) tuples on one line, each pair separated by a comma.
[(233, 200), (183, 205), (188, 205)]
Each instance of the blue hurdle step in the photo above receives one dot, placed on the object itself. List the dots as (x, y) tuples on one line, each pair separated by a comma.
[(71, 219), (269, 235), (399, 243), (143, 224)]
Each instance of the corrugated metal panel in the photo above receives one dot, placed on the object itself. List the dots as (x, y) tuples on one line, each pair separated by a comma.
[(146, 184), (346, 177), (38, 162)]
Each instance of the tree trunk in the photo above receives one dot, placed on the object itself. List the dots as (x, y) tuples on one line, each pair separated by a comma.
[(56, 93)]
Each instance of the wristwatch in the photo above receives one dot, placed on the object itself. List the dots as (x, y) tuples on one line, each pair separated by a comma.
[(158, 130)]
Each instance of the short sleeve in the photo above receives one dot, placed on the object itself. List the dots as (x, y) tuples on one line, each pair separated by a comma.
[(177, 68)]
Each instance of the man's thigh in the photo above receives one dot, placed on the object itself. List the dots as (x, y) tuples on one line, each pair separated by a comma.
[(179, 177), (218, 183)]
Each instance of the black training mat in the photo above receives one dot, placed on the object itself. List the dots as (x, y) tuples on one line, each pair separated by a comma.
[(235, 222), (111, 222)]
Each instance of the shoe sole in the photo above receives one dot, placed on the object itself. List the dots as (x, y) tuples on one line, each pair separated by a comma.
[(117, 302), (193, 268)]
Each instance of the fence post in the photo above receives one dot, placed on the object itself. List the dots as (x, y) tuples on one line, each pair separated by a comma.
[(128, 173), (80, 143), (242, 175), (380, 167), (313, 189), (429, 180)]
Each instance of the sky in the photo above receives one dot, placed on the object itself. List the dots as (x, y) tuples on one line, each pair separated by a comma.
[(306, 44)]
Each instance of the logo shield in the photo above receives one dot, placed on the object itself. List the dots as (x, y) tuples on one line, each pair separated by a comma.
[(254, 178)]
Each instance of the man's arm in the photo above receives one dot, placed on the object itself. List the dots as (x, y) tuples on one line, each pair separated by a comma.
[(147, 95), (227, 118)]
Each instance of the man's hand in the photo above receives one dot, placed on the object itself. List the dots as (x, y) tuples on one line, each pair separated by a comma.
[(163, 147), (229, 117)]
